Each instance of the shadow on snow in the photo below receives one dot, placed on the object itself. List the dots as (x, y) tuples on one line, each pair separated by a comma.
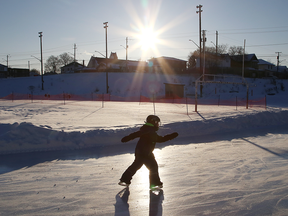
[(11, 162)]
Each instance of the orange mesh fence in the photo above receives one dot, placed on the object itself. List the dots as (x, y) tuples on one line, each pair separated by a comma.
[(260, 103)]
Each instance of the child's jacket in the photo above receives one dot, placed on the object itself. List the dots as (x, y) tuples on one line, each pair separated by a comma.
[(148, 139)]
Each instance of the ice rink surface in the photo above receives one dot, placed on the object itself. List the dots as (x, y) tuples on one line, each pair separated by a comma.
[(236, 172)]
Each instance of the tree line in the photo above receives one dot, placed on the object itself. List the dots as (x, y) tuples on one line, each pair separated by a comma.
[(54, 63), (210, 54)]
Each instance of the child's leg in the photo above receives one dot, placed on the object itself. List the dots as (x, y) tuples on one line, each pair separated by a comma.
[(131, 170), (152, 165)]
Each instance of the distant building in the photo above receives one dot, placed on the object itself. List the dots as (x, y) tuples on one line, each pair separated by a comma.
[(265, 65), (213, 60), (113, 64), (18, 72), (3, 71), (167, 65), (73, 67), (250, 61)]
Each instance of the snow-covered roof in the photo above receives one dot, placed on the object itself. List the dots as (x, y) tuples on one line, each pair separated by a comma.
[(263, 62), (247, 57)]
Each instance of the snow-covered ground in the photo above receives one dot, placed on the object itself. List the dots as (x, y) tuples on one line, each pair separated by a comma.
[(69, 157)]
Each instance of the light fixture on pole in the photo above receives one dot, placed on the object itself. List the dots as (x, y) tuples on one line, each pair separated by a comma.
[(40, 35), (100, 53)]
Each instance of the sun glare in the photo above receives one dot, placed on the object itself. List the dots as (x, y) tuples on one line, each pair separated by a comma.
[(146, 32), (148, 39)]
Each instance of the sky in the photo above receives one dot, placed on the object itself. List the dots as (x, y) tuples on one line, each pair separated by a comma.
[(154, 28)]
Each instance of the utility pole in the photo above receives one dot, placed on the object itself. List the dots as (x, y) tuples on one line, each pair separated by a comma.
[(75, 52), (243, 63), (40, 35), (204, 40), (216, 43), (200, 40), (7, 61), (278, 60), (106, 26), (126, 48), (7, 64), (127, 54)]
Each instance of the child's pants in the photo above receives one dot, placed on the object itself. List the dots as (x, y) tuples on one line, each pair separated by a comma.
[(150, 162)]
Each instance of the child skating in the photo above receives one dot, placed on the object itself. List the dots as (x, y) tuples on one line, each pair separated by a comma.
[(144, 151)]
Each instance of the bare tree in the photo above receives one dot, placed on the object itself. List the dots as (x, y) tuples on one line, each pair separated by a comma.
[(210, 55), (236, 50), (52, 64), (65, 59), (34, 72), (192, 58)]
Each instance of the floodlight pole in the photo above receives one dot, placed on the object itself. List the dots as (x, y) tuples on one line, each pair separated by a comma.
[(200, 31), (106, 26), (200, 41), (40, 35)]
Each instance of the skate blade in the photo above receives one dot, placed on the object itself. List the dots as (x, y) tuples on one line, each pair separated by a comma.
[(123, 184)]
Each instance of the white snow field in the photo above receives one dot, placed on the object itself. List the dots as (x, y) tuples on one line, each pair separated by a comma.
[(67, 159)]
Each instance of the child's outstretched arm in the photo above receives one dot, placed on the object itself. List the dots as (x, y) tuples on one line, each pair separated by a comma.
[(167, 137), (130, 136)]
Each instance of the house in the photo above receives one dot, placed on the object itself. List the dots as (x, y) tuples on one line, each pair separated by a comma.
[(265, 65), (167, 65), (265, 69), (250, 61), (13, 72), (113, 64), (3, 71), (212, 60), (73, 67), (18, 72), (270, 70), (280, 72)]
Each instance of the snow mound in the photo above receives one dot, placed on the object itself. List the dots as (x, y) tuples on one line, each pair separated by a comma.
[(26, 137)]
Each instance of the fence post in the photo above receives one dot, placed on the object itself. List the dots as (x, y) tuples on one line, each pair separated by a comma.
[(196, 87), (64, 97), (247, 97), (187, 105), (140, 99), (154, 103)]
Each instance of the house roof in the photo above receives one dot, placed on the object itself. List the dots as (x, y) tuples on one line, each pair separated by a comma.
[(247, 57), (100, 60), (168, 58), (73, 63), (113, 55), (263, 62)]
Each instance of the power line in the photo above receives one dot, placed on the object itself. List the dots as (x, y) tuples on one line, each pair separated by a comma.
[(278, 44)]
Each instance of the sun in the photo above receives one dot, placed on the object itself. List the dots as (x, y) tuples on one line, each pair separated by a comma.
[(148, 39)]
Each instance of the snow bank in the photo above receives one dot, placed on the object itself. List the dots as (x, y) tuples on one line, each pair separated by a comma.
[(26, 137)]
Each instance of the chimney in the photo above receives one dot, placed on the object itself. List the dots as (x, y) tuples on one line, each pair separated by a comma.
[(83, 63)]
